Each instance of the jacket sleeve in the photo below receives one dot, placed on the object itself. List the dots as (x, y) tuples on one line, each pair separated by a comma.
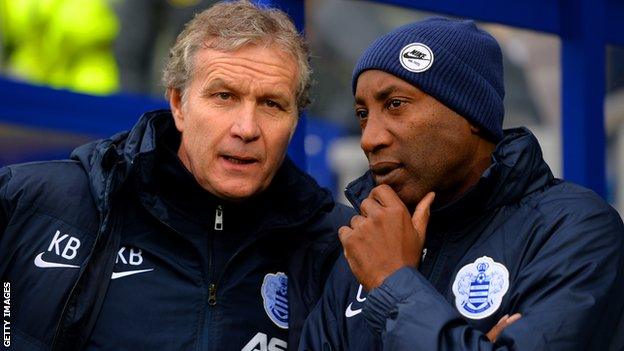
[(572, 300)]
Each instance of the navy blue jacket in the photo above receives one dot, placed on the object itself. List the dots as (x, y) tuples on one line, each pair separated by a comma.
[(100, 256), (519, 241)]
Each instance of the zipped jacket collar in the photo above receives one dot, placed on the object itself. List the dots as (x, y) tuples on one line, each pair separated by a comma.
[(291, 199), (135, 151)]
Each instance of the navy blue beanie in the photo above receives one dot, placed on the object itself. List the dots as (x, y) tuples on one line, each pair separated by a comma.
[(455, 62)]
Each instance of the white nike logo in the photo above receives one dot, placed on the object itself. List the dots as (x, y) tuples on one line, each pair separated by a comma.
[(39, 262), (351, 312), (116, 275)]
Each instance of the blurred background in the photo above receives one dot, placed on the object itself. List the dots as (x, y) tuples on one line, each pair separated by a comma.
[(75, 70)]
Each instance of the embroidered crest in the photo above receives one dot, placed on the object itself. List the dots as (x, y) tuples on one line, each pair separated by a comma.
[(416, 57), (479, 288), (275, 297)]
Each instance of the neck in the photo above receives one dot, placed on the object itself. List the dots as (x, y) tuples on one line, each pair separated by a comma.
[(477, 165)]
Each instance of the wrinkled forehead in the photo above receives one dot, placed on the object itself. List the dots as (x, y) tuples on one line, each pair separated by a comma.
[(267, 61)]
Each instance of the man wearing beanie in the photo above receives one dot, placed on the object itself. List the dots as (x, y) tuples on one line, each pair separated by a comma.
[(462, 224)]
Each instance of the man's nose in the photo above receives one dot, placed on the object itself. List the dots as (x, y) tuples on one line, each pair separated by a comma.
[(375, 135), (245, 125)]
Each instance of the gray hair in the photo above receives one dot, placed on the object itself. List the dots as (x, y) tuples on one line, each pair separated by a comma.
[(228, 26)]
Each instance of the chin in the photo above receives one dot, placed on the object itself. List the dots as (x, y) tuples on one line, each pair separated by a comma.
[(239, 192), (407, 201), (411, 197)]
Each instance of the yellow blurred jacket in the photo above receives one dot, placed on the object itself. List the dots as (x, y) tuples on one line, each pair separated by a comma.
[(62, 43)]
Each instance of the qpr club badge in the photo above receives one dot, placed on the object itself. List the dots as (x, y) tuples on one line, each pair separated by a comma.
[(479, 288), (275, 297)]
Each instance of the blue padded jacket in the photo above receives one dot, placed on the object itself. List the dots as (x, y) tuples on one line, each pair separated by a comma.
[(97, 259), (519, 241)]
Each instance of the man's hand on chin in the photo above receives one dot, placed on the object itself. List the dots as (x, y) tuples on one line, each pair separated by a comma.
[(384, 238)]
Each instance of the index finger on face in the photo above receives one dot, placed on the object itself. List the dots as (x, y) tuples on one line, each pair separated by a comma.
[(343, 234), (385, 196), (369, 207)]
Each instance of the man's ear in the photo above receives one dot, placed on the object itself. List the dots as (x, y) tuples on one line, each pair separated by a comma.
[(175, 103), (474, 129)]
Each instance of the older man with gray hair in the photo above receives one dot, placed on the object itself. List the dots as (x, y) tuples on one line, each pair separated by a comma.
[(193, 231)]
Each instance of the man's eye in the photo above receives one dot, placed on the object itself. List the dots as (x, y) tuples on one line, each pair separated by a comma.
[(361, 114), (394, 103), (224, 96), (272, 104)]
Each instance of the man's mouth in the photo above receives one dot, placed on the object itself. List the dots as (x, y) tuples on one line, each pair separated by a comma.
[(240, 160), (384, 168), (385, 172)]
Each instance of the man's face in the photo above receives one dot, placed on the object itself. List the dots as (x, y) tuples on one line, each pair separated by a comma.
[(237, 118), (413, 143)]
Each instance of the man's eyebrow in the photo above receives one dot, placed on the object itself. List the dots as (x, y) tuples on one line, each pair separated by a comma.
[(275, 95), (216, 83), (279, 97), (383, 94), (380, 95)]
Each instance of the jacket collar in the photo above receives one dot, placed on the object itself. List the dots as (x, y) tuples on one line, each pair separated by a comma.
[(292, 198)]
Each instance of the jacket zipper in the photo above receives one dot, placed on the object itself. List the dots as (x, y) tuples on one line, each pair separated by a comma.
[(206, 327), (219, 218), (212, 294), (212, 287)]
